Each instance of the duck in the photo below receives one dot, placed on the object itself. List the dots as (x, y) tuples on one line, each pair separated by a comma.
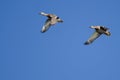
[(99, 30), (52, 20)]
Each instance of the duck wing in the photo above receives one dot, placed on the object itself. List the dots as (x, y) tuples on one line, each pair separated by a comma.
[(46, 26), (94, 36)]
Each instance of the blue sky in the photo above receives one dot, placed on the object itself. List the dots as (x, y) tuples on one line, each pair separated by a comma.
[(59, 54)]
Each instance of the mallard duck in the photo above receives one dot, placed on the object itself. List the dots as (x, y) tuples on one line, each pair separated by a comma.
[(99, 30), (52, 20)]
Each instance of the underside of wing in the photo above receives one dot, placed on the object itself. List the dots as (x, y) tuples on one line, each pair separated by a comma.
[(94, 36), (46, 26)]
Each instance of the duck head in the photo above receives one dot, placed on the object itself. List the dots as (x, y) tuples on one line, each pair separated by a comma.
[(59, 20)]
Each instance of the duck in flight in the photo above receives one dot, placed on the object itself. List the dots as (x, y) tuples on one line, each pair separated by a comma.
[(52, 20), (99, 30)]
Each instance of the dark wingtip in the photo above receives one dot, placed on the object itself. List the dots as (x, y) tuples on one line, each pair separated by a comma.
[(86, 43), (42, 31)]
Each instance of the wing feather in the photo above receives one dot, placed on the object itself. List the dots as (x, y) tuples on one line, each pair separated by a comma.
[(94, 36), (46, 25)]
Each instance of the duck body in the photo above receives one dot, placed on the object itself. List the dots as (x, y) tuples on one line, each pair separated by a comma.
[(99, 30), (52, 20)]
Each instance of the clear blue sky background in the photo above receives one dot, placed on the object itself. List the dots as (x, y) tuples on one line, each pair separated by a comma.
[(59, 54)]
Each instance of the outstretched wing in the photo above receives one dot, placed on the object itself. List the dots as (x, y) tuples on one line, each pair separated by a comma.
[(94, 36), (46, 26)]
